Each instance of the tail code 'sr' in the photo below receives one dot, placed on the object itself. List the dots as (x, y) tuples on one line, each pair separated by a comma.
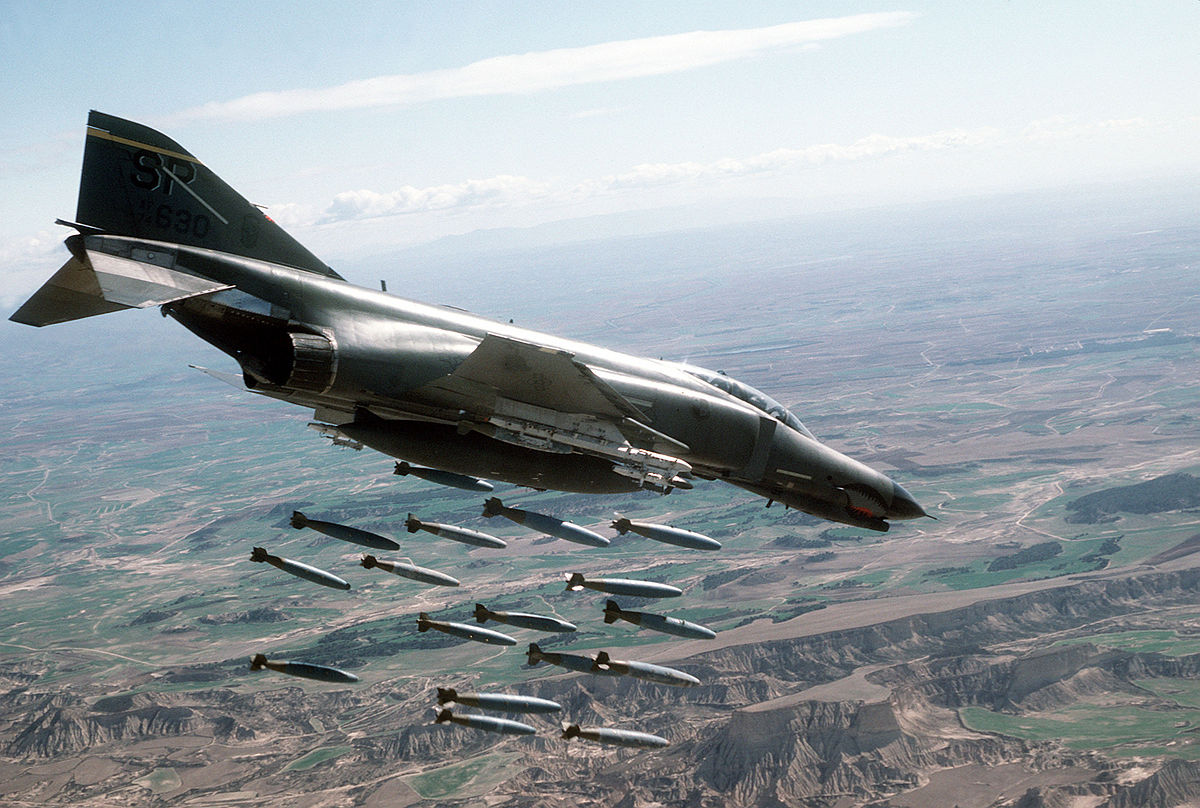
[(138, 182)]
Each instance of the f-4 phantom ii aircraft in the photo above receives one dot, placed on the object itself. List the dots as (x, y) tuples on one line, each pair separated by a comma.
[(428, 384)]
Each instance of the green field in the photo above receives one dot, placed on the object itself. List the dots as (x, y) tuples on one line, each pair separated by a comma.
[(161, 781), (465, 779), (134, 487), (1115, 729), (1163, 641)]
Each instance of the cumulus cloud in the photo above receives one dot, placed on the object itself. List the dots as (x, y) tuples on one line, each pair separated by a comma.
[(867, 148), (364, 204), (514, 191), (546, 70), (511, 191), (1063, 127), (28, 262), (291, 214)]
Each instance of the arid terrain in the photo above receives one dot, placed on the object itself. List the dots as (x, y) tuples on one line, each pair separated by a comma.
[(1031, 378)]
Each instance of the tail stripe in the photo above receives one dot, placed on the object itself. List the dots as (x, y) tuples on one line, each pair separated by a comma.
[(93, 131)]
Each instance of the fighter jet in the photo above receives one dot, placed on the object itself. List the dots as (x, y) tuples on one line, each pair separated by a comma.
[(431, 385)]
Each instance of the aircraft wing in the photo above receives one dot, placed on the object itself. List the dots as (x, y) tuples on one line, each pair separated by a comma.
[(502, 367), (537, 389)]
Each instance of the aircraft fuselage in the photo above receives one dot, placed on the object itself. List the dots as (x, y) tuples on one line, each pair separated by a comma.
[(382, 380), (430, 384)]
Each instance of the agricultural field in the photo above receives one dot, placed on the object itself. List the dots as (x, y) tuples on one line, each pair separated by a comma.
[(998, 378)]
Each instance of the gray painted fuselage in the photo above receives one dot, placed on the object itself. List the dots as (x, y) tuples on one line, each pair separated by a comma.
[(437, 386)]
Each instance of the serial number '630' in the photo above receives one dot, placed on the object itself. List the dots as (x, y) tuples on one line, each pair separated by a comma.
[(179, 220)]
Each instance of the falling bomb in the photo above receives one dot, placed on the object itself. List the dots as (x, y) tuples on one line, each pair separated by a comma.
[(459, 534), (504, 726), (464, 630), (410, 571), (535, 622), (545, 524), (447, 478), (664, 533), (299, 570), (344, 532), (500, 702), (657, 622), (621, 586), (304, 670)]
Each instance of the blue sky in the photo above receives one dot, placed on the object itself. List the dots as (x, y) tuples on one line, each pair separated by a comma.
[(368, 125)]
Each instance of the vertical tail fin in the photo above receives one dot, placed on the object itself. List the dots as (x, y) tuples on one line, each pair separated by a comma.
[(138, 182), (612, 611)]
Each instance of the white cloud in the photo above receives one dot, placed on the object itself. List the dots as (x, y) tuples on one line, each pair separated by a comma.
[(291, 214), (28, 263), (501, 190), (867, 148), (546, 70), (511, 191), (1063, 127)]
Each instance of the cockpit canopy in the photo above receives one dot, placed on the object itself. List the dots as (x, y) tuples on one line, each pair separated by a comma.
[(748, 394)]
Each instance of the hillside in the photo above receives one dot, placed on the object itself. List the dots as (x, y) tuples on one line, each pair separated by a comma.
[(1170, 492)]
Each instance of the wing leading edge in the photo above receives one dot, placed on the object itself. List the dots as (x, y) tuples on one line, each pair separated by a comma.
[(543, 398)]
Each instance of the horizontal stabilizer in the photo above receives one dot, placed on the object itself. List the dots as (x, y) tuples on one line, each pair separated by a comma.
[(92, 283), (71, 294), (232, 379)]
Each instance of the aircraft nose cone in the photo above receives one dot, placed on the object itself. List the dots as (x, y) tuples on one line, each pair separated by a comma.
[(903, 505)]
